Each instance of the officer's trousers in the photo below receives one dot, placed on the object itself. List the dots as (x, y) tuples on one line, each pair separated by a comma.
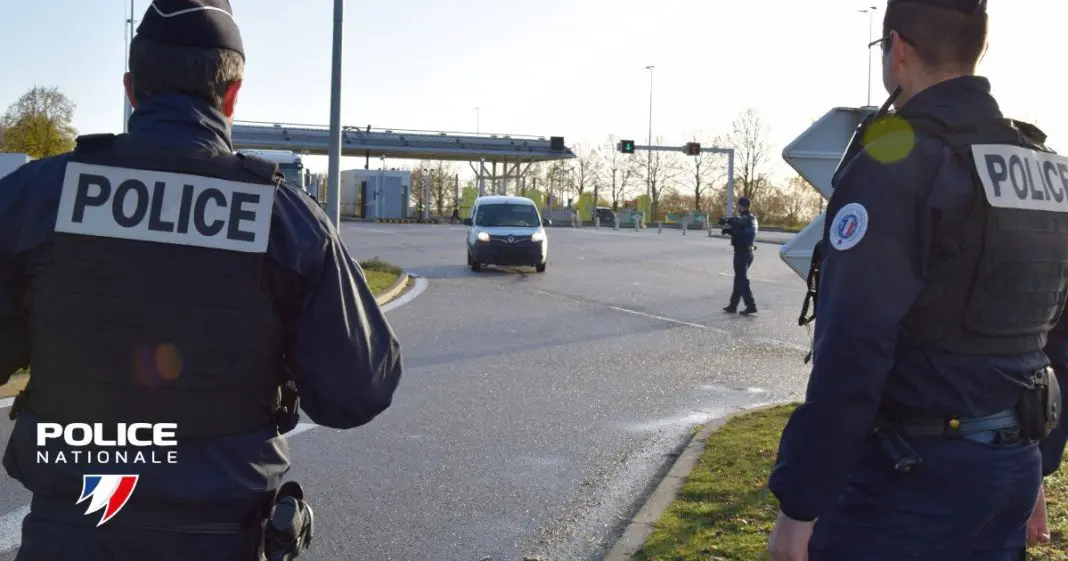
[(743, 258), (968, 501), (45, 539)]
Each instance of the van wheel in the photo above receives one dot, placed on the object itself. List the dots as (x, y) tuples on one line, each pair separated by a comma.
[(476, 267), (540, 267)]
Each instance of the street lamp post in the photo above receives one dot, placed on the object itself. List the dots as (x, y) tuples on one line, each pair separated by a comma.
[(127, 107), (649, 161), (333, 189), (871, 13)]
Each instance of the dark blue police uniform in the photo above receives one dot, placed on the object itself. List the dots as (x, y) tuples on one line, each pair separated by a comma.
[(933, 317), (1057, 352), (743, 239), (156, 277)]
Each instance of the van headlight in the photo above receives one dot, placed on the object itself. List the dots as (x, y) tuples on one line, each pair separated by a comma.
[(538, 237), (483, 237)]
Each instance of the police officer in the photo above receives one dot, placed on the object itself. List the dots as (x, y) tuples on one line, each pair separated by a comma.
[(743, 233), (942, 271), (155, 277)]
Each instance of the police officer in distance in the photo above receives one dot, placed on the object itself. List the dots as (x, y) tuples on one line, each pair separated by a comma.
[(156, 277), (919, 435), (742, 230)]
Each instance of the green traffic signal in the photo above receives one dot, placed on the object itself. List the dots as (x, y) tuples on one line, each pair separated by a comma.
[(626, 146)]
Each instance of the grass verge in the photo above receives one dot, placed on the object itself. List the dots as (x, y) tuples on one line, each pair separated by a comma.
[(380, 275), (725, 511)]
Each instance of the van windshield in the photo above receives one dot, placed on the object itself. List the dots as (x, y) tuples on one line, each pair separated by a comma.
[(507, 216)]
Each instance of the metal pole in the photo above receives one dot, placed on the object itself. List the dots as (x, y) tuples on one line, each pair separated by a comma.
[(127, 106), (380, 190), (333, 190), (426, 197), (649, 164), (730, 182), (871, 13)]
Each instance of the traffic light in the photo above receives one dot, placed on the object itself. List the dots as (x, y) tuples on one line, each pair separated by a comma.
[(626, 146), (693, 148)]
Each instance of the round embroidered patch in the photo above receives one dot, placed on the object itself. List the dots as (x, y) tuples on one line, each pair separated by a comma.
[(849, 226)]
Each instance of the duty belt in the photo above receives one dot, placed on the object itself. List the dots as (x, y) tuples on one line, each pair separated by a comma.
[(1003, 427)]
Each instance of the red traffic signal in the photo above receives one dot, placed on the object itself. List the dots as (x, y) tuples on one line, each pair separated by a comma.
[(692, 148)]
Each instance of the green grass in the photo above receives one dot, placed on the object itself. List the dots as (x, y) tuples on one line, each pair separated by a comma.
[(725, 511), (380, 275)]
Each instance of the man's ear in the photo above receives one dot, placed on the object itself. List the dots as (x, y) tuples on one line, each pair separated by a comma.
[(900, 50), (230, 98), (127, 82)]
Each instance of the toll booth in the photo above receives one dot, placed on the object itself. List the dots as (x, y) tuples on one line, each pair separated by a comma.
[(374, 194)]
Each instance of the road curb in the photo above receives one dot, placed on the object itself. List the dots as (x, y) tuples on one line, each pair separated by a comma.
[(640, 527), (394, 289)]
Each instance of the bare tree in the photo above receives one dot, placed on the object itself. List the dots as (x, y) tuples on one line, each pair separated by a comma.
[(660, 170), (748, 138), (801, 201), (585, 168), (442, 184), (39, 124), (704, 170), (617, 170)]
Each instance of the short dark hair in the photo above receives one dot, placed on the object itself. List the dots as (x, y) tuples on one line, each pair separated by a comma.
[(942, 37), (202, 73)]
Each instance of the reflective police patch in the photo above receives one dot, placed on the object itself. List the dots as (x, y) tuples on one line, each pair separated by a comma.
[(849, 226), (173, 208), (1016, 177)]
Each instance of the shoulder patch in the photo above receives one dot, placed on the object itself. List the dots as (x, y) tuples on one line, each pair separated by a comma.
[(848, 227), (164, 207), (1022, 178)]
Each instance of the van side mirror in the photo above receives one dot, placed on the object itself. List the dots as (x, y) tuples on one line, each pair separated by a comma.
[(467, 221), (546, 222)]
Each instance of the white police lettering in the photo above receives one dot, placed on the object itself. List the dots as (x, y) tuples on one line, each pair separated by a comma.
[(1016, 177), (848, 227), (79, 435), (84, 434), (174, 208)]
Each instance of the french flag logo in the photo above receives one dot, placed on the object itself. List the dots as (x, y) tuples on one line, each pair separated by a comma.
[(109, 492)]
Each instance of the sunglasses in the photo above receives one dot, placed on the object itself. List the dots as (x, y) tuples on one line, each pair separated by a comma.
[(885, 42)]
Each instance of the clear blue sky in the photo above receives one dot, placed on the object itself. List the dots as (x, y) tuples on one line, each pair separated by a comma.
[(551, 67)]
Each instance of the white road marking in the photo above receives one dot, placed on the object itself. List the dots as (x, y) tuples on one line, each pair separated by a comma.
[(421, 285), (11, 523), (662, 318), (750, 278)]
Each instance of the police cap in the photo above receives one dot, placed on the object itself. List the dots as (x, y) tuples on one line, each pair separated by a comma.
[(192, 23), (965, 6)]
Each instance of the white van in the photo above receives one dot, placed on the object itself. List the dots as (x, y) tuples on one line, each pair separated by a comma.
[(506, 231)]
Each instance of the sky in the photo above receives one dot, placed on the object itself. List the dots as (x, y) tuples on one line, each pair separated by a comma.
[(571, 68)]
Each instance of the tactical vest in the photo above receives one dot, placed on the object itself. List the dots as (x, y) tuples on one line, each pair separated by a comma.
[(997, 280), (125, 330)]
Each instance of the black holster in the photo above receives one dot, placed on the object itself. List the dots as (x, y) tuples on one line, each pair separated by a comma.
[(289, 526), (288, 414), (894, 447), (1039, 408)]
